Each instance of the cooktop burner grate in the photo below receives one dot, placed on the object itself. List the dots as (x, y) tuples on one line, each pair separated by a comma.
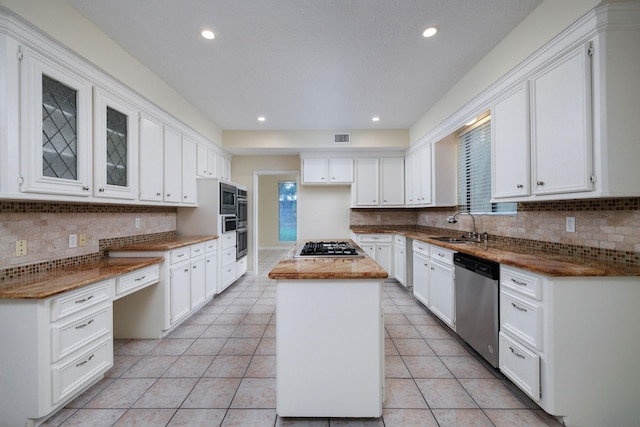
[(329, 249)]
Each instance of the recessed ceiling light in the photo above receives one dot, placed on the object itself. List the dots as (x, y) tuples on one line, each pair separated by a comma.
[(207, 34), (375, 119), (430, 32), (261, 119)]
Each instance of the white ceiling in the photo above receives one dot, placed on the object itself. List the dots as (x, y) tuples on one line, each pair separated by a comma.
[(308, 64)]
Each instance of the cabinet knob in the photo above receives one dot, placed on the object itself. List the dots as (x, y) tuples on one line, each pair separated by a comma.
[(168, 194), (185, 197), (519, 186), (85, 188), (158, 194), (101, 190), (540, 183)]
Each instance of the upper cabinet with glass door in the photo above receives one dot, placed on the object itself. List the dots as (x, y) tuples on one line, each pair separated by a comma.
[(116, 147), (55, 128)]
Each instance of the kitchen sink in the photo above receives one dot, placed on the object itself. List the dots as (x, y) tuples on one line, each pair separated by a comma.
[(449, 239)]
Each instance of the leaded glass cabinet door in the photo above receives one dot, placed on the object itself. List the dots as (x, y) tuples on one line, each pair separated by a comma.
[(116, 147), (55, 128)]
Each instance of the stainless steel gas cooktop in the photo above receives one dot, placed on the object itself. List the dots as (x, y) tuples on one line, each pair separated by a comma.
[(341, 249)]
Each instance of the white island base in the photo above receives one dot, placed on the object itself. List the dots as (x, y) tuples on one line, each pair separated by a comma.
[(330, 348)]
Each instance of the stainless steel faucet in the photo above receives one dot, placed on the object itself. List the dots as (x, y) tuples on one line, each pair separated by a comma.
[(453, 219)]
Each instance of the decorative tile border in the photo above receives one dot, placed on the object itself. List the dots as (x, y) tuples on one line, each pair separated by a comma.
[(55, 207), (623, 204)]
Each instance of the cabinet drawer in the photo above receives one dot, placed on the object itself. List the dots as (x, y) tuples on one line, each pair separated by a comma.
[(228, 257), (521, 319), (228, 240), (375, 238), (522, 282), (442, 255), (130, 282), (75, 301), (228, 274), (241, 266), (421, 248), (210, 246), (398, 239), (179, 254), (520, 365), (79, 371), (69, 337), (197, 249)]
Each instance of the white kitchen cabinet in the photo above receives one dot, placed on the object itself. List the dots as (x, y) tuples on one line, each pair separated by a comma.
[(421, 271), (198, 288), (400, 259), (151, 158), (211, 274), (431, 176), (172, 176), (189, 172), (115, 152), (56, 127), (442, 301), (378, 182), (223, 168), (179, 291), (419, 175), (380, 248), (323, 170), (510, 148), (206, 161), (228, 270)]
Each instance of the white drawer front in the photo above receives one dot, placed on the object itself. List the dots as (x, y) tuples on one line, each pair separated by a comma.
[(241, 266), (442, 255), (130, 282), (197, 249), (398, 239), (521, 318), (179, 254), (228, 257), (87, 366), (228, 274), (69, 337), (75, 301), (521, 282), (210, 245), (228, 240), (421, 247), (520, 365), (375, 238)]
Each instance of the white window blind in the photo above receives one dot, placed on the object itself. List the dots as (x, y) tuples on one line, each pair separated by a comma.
[(474, 171)]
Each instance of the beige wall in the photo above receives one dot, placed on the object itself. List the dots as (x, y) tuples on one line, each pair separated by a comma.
[(549, 19), (268, 233), (63, 23)]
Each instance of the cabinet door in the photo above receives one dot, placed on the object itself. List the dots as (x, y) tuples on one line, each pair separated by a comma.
[(189, 173), (211, 273), (392, 181), (367, 182), (212, 163), (314, 170), (561, 125), (202, 161), (56, 143), (400, 264), (223, 168), (198, 281), (425, 176), (408, 180), (179, 292), (510, 144), (172, 165), (421, 279), (441, 293), (384, 257), (151, 159), (341, 170), (116, 147)]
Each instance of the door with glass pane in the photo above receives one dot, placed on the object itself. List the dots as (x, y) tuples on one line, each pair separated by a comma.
[(287, 211), (116, 147), (56, 141)]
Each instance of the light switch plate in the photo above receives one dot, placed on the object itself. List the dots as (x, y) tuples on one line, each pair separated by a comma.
[(571, 224), (73, 240), (21, 248)]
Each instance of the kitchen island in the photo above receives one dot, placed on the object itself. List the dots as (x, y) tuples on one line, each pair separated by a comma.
[(329, 336)]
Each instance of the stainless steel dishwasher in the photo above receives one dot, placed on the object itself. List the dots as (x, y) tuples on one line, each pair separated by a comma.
[(477, 304)]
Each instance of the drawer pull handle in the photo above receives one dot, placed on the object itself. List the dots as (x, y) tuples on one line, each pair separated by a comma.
[(516, 353), (517, 307), (517, 282), (441, 255), (141, 278), (84, 325), (84, 362), (80, 301), (179, 255), (186, 270), (196, 250)]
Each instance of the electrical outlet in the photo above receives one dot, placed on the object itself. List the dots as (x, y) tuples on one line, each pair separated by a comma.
[(73, 240), (82, 240), (570, 225), (136, 223), (378, 218), (21, 248)]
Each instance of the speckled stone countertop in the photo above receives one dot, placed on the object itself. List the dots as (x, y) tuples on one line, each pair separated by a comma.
[(49, 283), (550, 265), (164, 245), (326, 268)]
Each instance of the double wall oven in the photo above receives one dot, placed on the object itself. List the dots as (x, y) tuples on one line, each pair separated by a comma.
[(242, 232), (233, 213)]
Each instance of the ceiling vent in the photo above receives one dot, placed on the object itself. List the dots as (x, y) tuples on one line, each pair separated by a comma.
[(342, 138)]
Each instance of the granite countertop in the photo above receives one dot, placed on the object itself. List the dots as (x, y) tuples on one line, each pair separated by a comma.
[(164, 245), (326, 268), (53, 282), (548, 264)]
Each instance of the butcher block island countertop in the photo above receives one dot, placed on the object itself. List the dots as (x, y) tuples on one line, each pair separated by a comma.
[(325, 267)]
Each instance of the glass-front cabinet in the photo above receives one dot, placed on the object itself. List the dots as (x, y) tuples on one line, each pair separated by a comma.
[(116, 147), (55, 128)]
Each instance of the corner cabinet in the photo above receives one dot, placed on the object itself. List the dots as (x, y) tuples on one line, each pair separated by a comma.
[(56, 140), (430, 174), (380, 248), (378, 182)]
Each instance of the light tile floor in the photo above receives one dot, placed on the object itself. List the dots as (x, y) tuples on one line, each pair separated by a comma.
[(218, 369)]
